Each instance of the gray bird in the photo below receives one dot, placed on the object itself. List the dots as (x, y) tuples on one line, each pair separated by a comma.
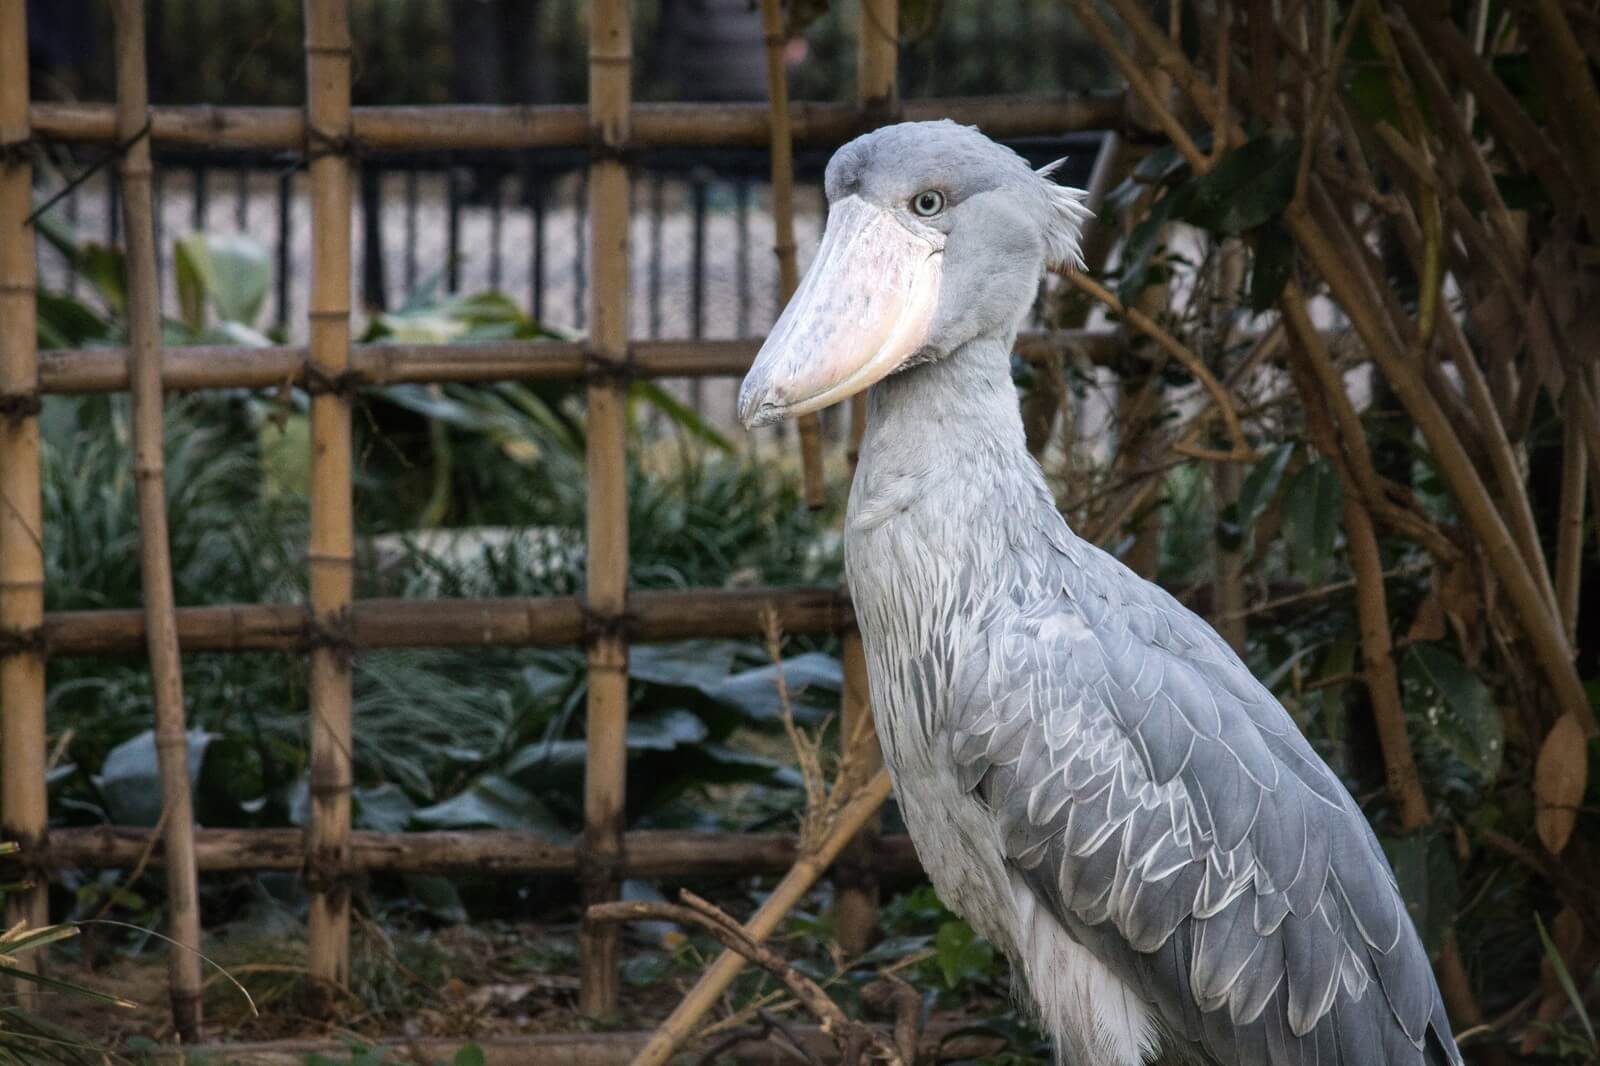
[(1091, 776)]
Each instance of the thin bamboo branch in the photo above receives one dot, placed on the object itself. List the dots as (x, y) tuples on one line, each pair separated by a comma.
[(606, 595), (1241, 450), (714, 981), (1570, 523), (1344, 271), (1372, 608), (166, 675), (697, 912), (783, 245), (1533, 149), (331, 544), (1458, 132), (677, 125), (1572, 73), (24, 815), (1146, 90), (1327, 83)]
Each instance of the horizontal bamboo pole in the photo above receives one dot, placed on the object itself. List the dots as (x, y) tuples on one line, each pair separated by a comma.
[(541, 621), (677, 125), (89, 370), (456, 623), (647, 853)]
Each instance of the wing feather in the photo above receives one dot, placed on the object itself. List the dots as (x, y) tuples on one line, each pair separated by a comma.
[(1161, 805)]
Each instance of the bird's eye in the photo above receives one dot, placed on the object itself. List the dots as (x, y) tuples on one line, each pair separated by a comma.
[(928, 202)]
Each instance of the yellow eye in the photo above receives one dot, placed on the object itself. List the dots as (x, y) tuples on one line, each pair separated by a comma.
[(928, 202)]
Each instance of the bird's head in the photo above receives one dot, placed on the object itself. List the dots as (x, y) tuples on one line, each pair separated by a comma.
[(936, 236)]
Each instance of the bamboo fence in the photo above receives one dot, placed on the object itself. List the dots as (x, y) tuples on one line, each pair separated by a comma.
[(333, 626)]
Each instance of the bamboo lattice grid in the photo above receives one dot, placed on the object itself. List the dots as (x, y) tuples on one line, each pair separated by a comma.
[(333, 625)]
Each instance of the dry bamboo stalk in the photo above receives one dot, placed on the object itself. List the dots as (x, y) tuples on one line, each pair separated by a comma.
[(855, 910), (1360, 303), (606, 596), (856, 898), (666, 1040), (166, 676), (648, 853), (783, 224), (1569, 533), (91, 370), (677, 125), (331, 554), (23, 802)]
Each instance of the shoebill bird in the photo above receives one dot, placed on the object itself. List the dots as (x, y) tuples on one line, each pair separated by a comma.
[(1091, 776)]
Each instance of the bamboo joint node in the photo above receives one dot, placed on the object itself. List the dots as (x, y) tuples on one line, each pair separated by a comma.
[(604, 626), (345, 384), (604, 368), (16, 406), (320, 144), (333, 633), (23, 642), (16, 153)]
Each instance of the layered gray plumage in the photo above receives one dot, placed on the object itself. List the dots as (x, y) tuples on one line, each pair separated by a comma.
[(1090, 774)]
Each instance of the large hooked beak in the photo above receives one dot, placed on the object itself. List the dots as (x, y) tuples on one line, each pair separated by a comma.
[(864, 308)]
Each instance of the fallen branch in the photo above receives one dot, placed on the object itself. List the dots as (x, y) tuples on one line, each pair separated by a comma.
[(807, 869), (846, 1032)]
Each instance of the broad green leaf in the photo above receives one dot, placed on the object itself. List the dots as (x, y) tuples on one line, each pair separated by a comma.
[(1425, 871), (1139, 251), (1311, 514), (1465, 717), (813, 681), (1259, 488), (665, 731), (494, 802), (107, 270), (68, 323), (230, 273), (1249, 186), (962, 954), (471, 1055), (382, 808), (130, 778)]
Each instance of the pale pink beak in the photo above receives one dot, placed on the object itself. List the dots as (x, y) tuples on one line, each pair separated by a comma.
[(863, 309)]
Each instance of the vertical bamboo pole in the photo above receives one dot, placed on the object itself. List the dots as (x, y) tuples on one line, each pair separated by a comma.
[(166, 677), (605, 771), (878, 97), (328, 132), (783, 224), (22, 748), (856, 899)]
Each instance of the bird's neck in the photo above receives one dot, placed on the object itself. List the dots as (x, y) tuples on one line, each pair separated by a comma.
[(944, 461)]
